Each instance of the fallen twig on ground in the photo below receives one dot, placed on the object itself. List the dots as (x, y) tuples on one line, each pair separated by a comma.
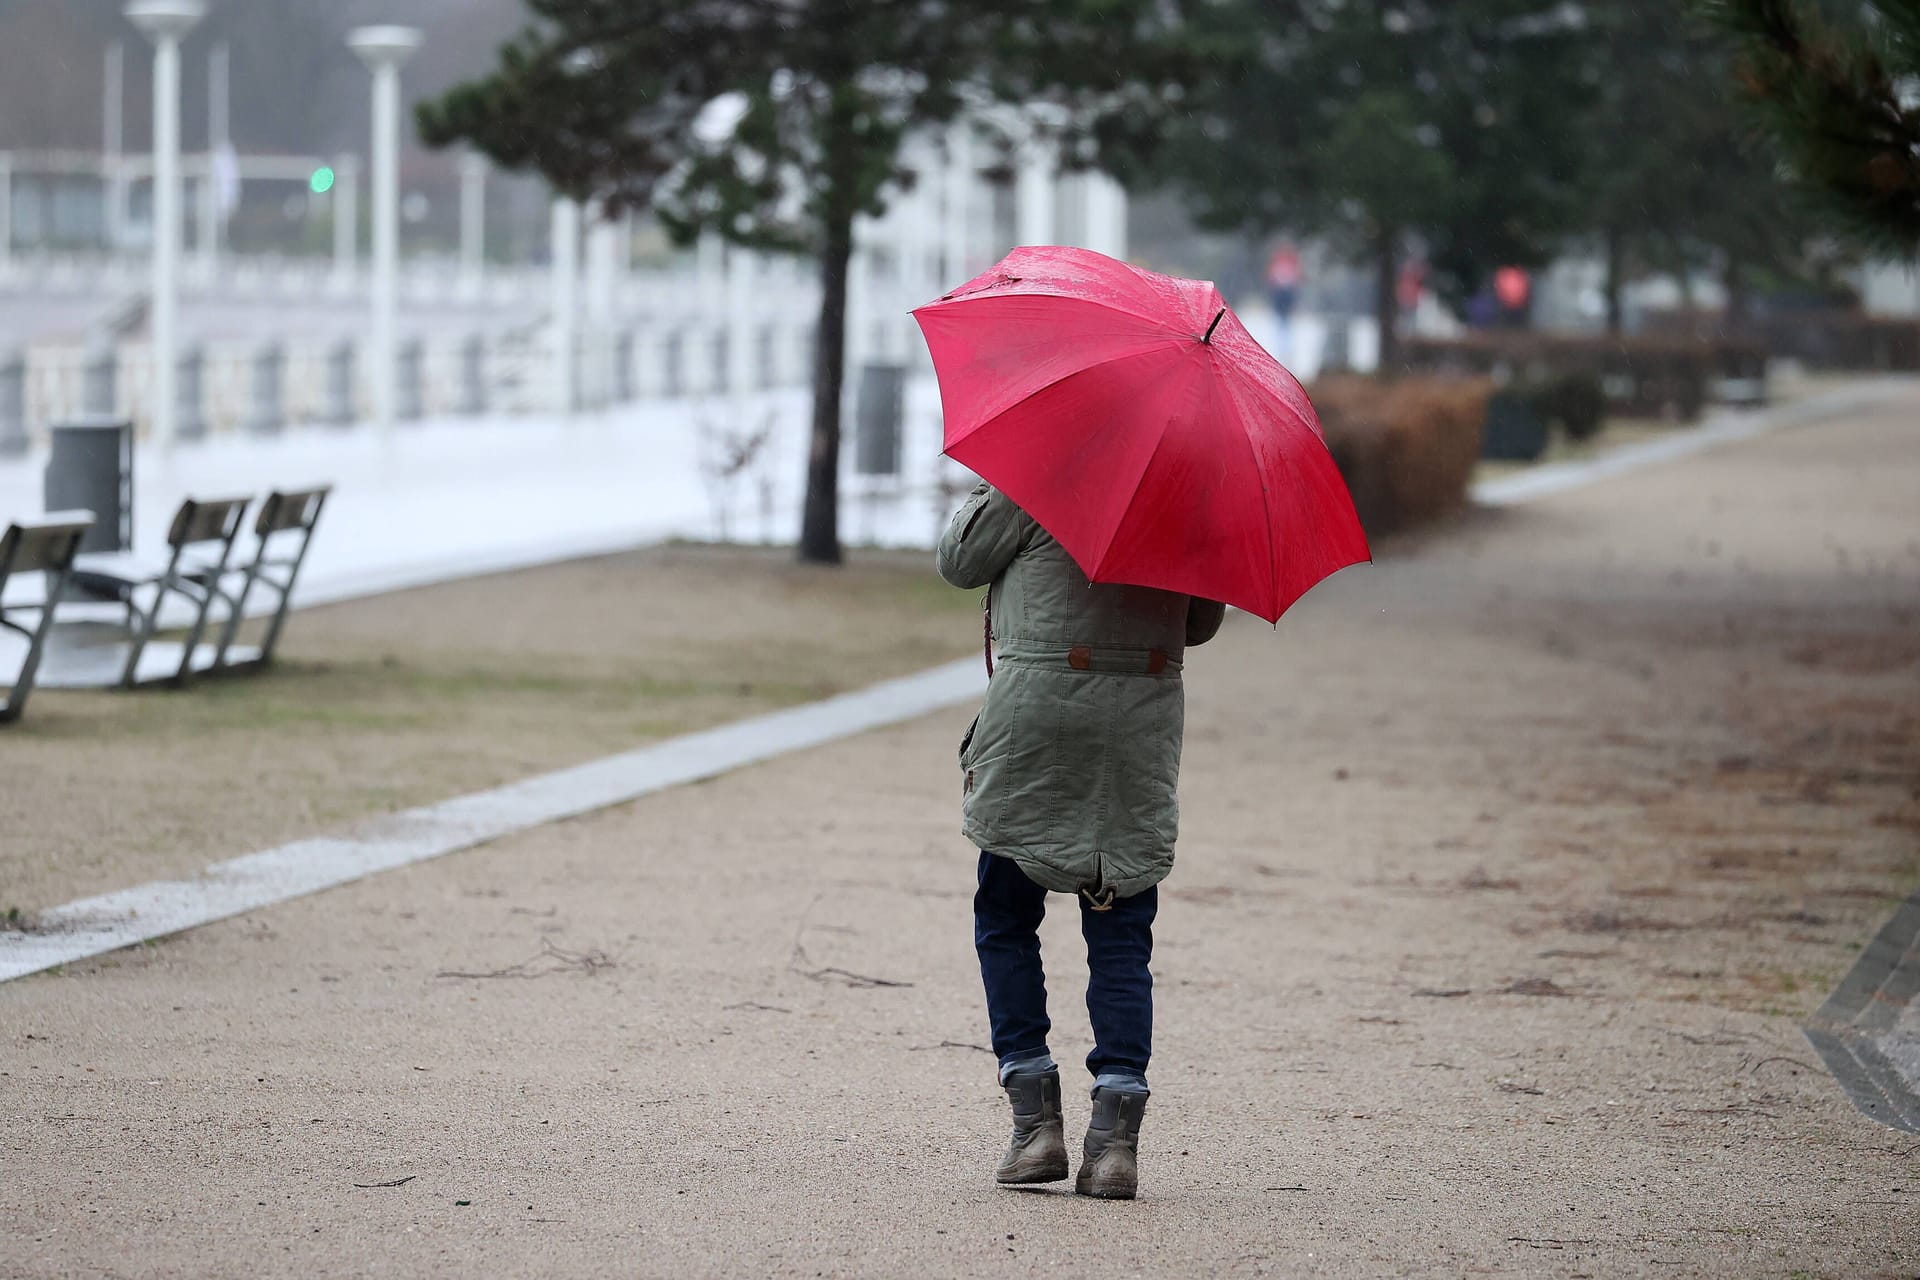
[(397, 1182), (949, 1044), (559, 960)]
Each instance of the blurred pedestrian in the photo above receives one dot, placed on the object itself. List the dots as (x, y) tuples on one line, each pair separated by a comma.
[(1069, 775), (1283, 281)]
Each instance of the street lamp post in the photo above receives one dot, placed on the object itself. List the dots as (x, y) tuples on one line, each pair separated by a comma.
[(164, 22), (383, 49)]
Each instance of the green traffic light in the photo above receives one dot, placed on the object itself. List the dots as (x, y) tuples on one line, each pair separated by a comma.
[(321, 181)]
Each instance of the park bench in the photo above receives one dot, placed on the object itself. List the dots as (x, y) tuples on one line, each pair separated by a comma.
[(284, 529), (200, 544), (47, 547)]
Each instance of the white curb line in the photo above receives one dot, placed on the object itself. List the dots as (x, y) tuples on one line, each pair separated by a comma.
[(93, 926)]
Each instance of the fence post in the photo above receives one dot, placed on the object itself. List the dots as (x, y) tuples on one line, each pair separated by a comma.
[(264, 415), (473, 375), (190, 421), (339, 403), (411, 393), (13, 403), (623, 366), (99, 378), (673, 353)]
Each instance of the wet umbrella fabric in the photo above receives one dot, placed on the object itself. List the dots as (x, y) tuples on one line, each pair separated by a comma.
[(1134, 417)]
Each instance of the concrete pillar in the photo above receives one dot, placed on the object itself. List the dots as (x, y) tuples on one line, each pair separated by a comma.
[(473, 219), (1034, 194), (1105, 203), (165, 21), (383, 49), (565, 238), (602, 274)]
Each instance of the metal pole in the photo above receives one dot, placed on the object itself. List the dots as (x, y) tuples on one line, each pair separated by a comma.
[(219, 139), (383, 49), (165, 21), (566, 281), (386, 240), (114, 115), (346, 218), (473, 215), (166, 234)]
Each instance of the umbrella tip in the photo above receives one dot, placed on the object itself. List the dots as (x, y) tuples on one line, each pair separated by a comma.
[(1208, 337)]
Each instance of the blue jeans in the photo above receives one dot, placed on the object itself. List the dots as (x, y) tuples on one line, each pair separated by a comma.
[(1007, 910)]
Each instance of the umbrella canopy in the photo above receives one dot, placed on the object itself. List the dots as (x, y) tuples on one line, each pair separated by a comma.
[(1138, 421)]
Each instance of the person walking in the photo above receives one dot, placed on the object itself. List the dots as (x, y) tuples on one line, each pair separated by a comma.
[(1069, 774)]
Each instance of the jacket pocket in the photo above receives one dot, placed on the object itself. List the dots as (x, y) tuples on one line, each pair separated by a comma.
[(966, 741)]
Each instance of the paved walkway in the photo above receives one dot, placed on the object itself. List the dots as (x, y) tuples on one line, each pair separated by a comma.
[(1510, 868)]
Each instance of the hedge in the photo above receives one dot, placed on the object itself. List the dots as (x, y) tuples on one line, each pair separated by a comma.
[(1406, 448), (1639, 377)]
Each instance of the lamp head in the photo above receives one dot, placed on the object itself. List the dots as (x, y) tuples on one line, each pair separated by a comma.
[(165, 19), (383, 46)]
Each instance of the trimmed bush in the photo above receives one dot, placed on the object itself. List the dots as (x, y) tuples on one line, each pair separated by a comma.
[(1406, 448)]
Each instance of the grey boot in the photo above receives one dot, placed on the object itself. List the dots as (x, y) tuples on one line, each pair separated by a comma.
[(1109, 1167), (1039, 1150)]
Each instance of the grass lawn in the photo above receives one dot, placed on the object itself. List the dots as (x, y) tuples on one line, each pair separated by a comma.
[(400, 700)]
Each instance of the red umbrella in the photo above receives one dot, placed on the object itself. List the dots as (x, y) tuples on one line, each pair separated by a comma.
[(1137, 420)]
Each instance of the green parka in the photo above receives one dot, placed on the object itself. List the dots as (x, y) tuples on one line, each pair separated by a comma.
[(1072, 765)]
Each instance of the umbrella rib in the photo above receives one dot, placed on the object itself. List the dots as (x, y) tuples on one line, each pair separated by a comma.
[(1266, 505)]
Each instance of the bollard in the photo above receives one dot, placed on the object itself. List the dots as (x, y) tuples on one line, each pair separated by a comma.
[(473, 376), (674, 355), (339, 405), (265, 416), (409, 391), (99, 377), (13, 404), (623, 366), (190, 413)]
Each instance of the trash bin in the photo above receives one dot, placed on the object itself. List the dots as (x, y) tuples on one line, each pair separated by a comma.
[(879, 408), (90, 468)]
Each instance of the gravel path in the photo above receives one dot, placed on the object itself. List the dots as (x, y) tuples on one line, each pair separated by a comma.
[(1510, 867)]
